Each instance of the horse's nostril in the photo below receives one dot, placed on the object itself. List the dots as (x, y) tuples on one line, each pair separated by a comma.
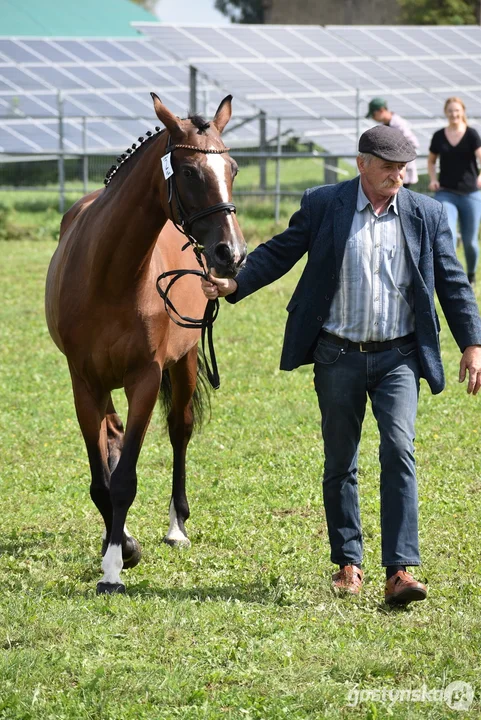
[(223, 253)]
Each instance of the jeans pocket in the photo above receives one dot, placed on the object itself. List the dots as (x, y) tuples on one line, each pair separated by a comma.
[(409, 349), (326, 354)]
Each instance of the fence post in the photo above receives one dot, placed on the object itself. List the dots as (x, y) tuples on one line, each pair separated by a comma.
[(358, 118), (61, 160), (193, 89), (330, 170), (278, 173), (85, 164), (263, 149)]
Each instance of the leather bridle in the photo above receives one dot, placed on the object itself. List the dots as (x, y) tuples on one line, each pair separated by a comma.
[(184, 226)]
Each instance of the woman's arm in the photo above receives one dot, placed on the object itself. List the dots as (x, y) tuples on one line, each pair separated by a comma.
[(434, 182), (478, 158)]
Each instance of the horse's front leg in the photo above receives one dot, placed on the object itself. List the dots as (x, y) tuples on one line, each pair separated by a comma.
[(181, 421), (142, 392), (90, 406)]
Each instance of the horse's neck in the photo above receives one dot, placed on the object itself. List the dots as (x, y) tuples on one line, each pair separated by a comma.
[(132, 217)]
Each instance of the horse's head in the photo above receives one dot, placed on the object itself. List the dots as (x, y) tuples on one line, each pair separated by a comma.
[(198, 195)]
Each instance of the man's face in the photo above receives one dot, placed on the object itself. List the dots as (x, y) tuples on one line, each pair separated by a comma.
[(381, 116), (382, 176)]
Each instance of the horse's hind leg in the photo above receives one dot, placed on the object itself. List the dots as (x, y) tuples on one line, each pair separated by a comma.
[(181, 421), (131, 552), (115, 435)]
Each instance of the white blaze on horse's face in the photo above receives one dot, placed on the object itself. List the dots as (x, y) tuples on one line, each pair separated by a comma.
[(219, 166), (220, 169)]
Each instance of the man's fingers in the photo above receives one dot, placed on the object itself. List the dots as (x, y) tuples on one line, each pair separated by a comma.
[(462, 371)]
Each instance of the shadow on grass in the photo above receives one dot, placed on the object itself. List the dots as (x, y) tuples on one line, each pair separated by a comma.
[(245, 592)]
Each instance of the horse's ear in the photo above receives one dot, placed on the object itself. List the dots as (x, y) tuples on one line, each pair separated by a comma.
[(224, 111), (171, 121)]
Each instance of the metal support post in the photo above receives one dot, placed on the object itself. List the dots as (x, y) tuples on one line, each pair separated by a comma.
[(262, 149), (330, 170), (278, 173), (193, 89), (85, 163), (61, 159), (358, 117)]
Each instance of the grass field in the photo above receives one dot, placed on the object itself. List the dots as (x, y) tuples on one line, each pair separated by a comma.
[(242, 625)]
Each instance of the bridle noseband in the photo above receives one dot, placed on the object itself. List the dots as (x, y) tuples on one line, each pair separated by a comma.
[(185, 227)]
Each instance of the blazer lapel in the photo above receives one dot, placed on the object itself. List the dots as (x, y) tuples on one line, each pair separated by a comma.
[(411, 226), (344, 210)]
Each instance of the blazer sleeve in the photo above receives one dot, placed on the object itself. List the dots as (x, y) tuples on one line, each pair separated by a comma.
[(274, 258), (453, 289)]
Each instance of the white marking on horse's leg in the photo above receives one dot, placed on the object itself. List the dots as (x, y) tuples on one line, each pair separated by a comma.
[(126, 532), (174, 533), (112, 565)]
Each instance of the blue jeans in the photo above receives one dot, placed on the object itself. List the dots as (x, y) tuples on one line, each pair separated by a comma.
[(468, 209), (343, 380)]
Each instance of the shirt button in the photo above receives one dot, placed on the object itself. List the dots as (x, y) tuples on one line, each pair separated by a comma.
[(319, 317), (333, 277), (326, 297)]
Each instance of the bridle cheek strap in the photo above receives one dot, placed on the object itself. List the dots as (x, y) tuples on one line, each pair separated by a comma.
[(205, 324)]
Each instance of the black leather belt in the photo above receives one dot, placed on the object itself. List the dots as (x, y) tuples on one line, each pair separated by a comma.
[(368, 346)]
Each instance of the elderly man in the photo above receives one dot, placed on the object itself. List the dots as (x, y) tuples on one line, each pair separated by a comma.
[(379, 112), (364, 313)]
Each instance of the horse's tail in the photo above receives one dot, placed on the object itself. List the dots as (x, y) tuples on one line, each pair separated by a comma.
[(201, 398)]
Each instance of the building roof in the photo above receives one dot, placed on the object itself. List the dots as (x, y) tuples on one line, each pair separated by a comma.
[(71, 19)]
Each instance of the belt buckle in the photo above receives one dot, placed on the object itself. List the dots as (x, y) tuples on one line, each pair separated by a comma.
[(361, 347)]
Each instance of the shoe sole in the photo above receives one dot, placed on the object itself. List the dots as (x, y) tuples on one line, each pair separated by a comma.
[(406, 596), (344, 591)]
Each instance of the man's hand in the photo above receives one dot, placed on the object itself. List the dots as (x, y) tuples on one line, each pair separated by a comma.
[(216, 287), (471, 361), (434, 185)]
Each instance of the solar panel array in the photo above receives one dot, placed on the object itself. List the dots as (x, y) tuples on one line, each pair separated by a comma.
[(323, 77), (317, 79), (105, 80)]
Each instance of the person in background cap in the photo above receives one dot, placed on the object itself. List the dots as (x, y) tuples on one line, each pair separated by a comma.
[(378, 111), (363, 312)]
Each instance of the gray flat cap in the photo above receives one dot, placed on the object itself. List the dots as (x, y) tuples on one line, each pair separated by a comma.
[(387, 143)]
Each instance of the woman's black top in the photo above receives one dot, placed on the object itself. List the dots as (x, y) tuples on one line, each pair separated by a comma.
[(458, 171)]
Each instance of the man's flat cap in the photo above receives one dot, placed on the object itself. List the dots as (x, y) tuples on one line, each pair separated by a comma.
[(387, 143)]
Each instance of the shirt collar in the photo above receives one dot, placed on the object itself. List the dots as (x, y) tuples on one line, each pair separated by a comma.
[(363, 201)]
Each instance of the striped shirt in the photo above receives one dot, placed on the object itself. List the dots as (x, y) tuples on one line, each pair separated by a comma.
[(374, 298)]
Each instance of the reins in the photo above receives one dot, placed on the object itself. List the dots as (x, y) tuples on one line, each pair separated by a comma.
[(205, 324)]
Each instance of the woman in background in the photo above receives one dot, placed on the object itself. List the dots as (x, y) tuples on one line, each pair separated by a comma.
[(458, 147)]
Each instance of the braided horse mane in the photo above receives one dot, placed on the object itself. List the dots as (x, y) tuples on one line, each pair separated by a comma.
[(197, 120)]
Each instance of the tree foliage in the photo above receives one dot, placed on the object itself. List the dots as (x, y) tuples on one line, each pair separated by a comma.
[(242, 11), (439, 12), (146, 4)]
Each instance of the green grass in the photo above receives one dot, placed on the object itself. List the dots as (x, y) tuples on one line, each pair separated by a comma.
[(243, 625)]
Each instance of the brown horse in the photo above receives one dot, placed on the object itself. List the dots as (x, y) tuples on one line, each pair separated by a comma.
[(104, 313)]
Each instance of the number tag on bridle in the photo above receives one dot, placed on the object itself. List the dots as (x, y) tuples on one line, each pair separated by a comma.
[(167, 166)]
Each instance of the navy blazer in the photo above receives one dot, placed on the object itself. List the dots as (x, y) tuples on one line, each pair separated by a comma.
[(321, 228)]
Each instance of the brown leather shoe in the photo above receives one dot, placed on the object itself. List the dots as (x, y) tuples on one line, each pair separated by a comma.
[(347, 580), (402, 589)]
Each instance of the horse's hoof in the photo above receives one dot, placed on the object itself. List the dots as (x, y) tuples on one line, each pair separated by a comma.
[(183, 543), (110, 588), (131, 553)]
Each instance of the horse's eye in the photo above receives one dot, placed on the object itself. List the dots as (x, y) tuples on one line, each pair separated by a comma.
[(187, 173)]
